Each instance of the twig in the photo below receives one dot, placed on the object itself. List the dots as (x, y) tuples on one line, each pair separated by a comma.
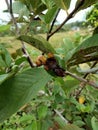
[(17, 31), (82, 79), (60, 115), (12, 16), (82, 84), (93, 65), (68, 17), (53, 22), (93, 71), (27, 56)]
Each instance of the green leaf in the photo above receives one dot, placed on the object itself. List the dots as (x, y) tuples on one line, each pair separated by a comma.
[(39, 42), (68, 45), (4, 28), (35, 6), (49, 3), (4, 77), (71, 127), (87, 51), (20, 60), (26, 118), (86, 3), (42, 111), (79, 123), (63, 4), (20, 89), (50, 15), (60, 121), (5, 57), (94, 123), (20, 8), (69, 85), (46, 123)]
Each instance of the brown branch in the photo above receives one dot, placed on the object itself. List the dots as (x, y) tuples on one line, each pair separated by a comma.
[(9, 5), (93, 65), (17, 31), (82, 79), (27, 56), (53, 22), (68, 17), (82, 84)]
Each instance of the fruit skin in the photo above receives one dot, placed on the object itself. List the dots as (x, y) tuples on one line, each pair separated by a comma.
[(81, 99), (51, 64), (41, 60), (38, 63), (50, 55)]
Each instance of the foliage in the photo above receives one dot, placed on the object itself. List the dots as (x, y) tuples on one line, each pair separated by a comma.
[(92, 16), (47, 95)]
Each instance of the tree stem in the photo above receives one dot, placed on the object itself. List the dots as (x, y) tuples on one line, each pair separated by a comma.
[(9, 5), (68, 17), (82, 79), (53, 22)]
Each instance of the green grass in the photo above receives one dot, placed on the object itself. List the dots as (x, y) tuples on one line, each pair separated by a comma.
[(57, 39)]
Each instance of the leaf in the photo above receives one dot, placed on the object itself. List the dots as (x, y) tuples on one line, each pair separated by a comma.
[(86, 3), (42, 111), (5, 57), (20, 89), (50, 15), (79, 123), (63, 4), (71, 127), (4, 28), (39, 42), (26, 118), (20, 60), (20, 8), (49, 3), (87, 51), (35, 6), (60, 121), (94, 123), (4, 77), (69, 85)]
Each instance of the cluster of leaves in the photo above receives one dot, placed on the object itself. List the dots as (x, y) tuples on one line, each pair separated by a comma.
[(55, 101), (92, 16)]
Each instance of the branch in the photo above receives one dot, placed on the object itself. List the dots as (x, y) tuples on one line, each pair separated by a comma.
[(27, 56), (12, 16), (17, 31), (68, 17), (93, 65), (59, 114), (53, 22), (82, 79), (82, 84), (93, 71)]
